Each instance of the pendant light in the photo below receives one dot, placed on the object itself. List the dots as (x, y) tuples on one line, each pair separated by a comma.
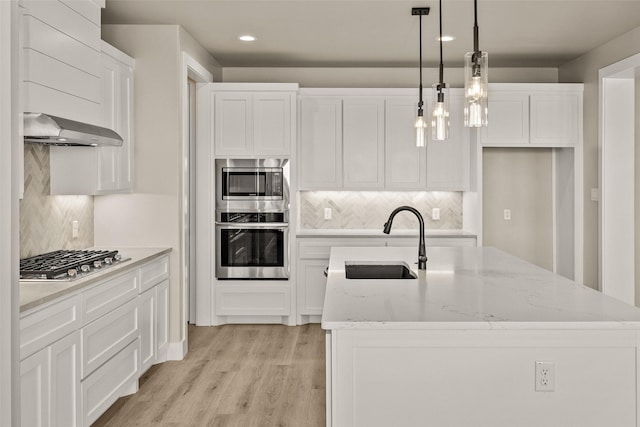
[(476, 83), (421, 123), (440, 114)]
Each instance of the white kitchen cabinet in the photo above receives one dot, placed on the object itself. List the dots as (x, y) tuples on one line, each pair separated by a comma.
[(162, 321), (405, 164), (102, 170), (364, 139), (555, 119), (320, 151), (363, 142), (50, 384), (147, 313), (253, 120), (109, 382), (154, 310), (529, 115), (448, 162), (34, 389)]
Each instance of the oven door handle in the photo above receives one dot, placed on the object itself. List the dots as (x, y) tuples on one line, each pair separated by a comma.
[(255, 225)]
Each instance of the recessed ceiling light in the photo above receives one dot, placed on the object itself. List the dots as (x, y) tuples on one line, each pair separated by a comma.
[(247, 38), (446, 38)]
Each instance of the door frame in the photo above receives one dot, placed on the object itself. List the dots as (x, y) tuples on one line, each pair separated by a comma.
[(191, 69), (616, 252)]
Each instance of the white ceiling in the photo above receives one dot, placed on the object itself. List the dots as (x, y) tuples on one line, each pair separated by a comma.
[(372, 33)]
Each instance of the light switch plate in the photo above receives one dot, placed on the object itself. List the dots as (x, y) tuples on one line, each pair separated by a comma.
[(328, 213), (435, 214)]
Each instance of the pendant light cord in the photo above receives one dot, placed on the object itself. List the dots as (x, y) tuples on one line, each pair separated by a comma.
[(441, 63), (476, 42), (420, 103)]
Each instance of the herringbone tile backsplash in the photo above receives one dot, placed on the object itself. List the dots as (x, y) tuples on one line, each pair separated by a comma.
[(45, 220), (370, 209)]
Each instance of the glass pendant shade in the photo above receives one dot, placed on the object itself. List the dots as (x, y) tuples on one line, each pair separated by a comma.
[(476, 85), (421, 130), (440, 122)]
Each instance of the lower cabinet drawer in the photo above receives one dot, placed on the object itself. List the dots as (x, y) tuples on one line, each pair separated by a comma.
[(105, 337), (103, 387), (253, 301), (41, 328)]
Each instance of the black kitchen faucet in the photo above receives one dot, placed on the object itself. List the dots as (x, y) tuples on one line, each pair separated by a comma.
[(422, 252)]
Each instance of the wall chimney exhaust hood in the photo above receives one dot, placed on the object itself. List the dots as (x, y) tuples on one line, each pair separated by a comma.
[(41, 128)]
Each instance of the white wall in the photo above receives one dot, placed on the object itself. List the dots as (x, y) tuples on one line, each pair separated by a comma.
[(380, 77), (151, 216), (519, 179), (585, 70)]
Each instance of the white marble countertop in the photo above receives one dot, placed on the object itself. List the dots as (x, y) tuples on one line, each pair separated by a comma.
[(35, 293), (353, 232), (465, 288)]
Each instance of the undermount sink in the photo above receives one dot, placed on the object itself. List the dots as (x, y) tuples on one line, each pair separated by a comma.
[(378, 270)]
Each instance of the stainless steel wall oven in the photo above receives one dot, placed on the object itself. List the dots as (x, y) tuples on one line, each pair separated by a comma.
[(252, 219), (252, 245)]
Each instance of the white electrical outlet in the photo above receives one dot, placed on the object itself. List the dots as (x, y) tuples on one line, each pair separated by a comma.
[(328, 213), (435, 214), (545, 376), (507, 214), (74, 229)]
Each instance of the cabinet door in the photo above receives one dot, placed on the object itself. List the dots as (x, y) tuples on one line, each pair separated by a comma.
[(233, 124), (508, 120), (162, 319), (320, 143), (147, 319), (65, 381), (124, 127), (35, 390), (554, 119), (363, 142), (448, 161), (272, 123), (405, 166), (107, 156), (313, 284)]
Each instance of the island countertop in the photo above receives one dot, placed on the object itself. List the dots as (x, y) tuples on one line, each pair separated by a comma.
[(465, 288)]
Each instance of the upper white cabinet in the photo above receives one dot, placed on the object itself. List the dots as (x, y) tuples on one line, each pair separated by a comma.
[(102, 170), (405, 164), (62, 73), (364, 139), (320, 150), (546, 115), (363, 142), (448, 161), (253, 119)]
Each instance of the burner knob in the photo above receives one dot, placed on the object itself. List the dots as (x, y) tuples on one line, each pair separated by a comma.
[(97, 264), (72, 272), (108, 260), (85, 268), (117, 257)]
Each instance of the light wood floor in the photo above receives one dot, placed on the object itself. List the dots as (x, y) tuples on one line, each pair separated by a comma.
[(233, 375)]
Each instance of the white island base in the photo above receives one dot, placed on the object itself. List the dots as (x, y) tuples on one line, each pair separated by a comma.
[(458, 346)]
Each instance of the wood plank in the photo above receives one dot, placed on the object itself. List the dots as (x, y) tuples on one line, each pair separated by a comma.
[(234, 375)]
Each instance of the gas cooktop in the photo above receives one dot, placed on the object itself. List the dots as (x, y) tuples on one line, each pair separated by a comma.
[(67, 264)]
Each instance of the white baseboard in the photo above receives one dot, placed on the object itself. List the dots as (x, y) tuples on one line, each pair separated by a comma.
[(177, 350)]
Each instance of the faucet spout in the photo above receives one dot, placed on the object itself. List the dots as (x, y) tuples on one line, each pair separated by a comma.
[(422, 252)]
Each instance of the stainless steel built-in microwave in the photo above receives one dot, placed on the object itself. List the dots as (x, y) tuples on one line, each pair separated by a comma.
[(254, 183)]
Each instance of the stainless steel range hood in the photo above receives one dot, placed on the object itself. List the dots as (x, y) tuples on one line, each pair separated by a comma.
[(51, 130)]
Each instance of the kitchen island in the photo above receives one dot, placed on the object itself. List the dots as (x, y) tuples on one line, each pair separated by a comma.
[(481, 338)]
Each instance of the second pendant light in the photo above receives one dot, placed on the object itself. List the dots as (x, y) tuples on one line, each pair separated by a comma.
[(440, 115)]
